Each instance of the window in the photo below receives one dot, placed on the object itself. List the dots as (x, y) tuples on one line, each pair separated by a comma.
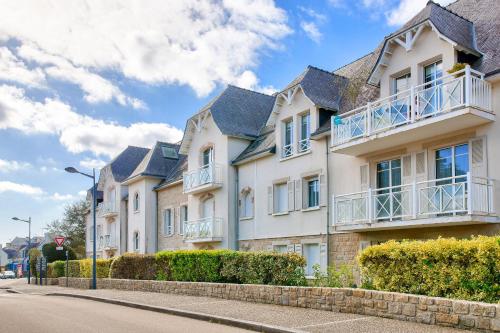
[(280, 248), (287, 138), (169, 152), (305, 132), (432, 99), (402, 83), (246, 204), (184, 219), (312, 255), (452, 163), (136, 241), (207, 156), (167, 222), (136, 202), (280, 198), (312, 193)]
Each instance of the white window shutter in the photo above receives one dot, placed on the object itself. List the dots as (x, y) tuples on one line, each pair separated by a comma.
[(406, 172), (298, 248), (291, 195), (270, 201), (323, 191), (178, 218), (290, 248), (323, 248), (478, 157), (364, 177), (298, 194), (421, 166), (305, 194)]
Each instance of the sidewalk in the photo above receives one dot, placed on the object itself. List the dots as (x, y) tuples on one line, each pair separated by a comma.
[(295, 319)]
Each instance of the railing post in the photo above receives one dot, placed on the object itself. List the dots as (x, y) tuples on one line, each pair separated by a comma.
[(370, 205), (467, 85), (469, 193), (414, 199), (368, 119), (413, 106)]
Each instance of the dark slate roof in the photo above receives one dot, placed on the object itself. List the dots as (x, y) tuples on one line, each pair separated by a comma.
[(485, 15), (449, 24), (241, 112), (265, 143), (323, 88), (175, 173), (125, 163), (155, 164)]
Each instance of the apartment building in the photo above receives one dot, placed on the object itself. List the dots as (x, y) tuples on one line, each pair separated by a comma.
[(402, 143)]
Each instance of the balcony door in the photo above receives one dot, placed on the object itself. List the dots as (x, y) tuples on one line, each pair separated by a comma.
[(206, 171), (208, 156), (430, 100), (207, 209), (388, 198)]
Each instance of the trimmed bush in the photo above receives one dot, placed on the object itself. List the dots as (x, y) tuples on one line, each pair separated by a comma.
[(231, 266), (56, 269), (49, 251), (134, 266), (74, 268), (34, 254), (102, 268), (464, 269)]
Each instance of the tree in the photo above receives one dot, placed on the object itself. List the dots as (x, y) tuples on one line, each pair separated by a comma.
[(52, 254), (72, 226)]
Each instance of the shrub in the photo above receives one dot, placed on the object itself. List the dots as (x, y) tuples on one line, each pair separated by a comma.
[(465, 269), (134, 266), (33, 255), (194, 265), (74, 268), (102, 268), (49, 251), (343, 277), (56, 269)]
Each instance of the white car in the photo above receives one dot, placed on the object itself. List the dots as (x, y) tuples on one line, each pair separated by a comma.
[(9, 275)]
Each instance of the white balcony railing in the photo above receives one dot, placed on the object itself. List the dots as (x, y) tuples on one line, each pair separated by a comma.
[(287, 151), (210, 174), (460, 89), (109, 242), (106, 209), (432, 198), (304, 145), (206, 229)]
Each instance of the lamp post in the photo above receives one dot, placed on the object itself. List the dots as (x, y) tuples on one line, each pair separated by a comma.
[(73, 170), (29, 243)]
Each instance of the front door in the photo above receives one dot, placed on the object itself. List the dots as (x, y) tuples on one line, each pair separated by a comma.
[(388, 198)]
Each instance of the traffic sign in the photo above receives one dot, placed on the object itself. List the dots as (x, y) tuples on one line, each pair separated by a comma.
[(59, 241)]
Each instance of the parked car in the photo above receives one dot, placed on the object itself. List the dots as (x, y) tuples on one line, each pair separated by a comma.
[(9, 275), (2, 276)]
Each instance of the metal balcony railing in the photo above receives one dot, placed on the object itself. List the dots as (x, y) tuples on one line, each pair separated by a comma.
[(304, 145), (109, 242), (106, 208), (210, 174), (463, 88), (208, 228), (287, 150), (432, 198)]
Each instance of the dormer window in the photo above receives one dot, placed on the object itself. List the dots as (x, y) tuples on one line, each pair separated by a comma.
[(287, 138), (305, 132)]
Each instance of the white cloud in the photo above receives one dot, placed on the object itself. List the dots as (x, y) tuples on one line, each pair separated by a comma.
[(311, 30), (6, 186), (82, 193), (61, 197), (77, 133), (406, 9), (312, 13), (8, 166), (90, 163), (199, 43), (15, 70)]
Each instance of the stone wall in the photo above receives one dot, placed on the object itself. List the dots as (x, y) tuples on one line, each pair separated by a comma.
[(171, 197), (422, 309)]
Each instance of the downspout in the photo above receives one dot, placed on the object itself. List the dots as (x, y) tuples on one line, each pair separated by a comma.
[(327, 206), (237, 222), (155, 222)]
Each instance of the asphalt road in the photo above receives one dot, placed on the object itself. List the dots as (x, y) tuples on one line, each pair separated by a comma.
[(21, 313)]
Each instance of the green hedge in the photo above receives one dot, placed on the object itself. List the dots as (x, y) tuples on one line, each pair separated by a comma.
[(102, 268), (56, 269), (464, 269), (134, 266), (74, 268), (231, 266)]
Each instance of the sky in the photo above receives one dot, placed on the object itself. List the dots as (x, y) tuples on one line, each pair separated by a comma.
[(81, 80)]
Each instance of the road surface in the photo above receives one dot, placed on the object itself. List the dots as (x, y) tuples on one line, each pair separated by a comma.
[(36, 313)]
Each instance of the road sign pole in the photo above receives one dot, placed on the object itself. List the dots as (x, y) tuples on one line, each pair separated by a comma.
[(40, 271), (67, 264)]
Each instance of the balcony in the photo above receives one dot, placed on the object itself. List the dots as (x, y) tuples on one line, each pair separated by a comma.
[(448, 104), (107, 243), (447, 201), (107, 209), (205, 230), (206, 178)]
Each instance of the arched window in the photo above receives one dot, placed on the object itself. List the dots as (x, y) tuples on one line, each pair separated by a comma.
[(136, 241), (136, 202), (246, 203)]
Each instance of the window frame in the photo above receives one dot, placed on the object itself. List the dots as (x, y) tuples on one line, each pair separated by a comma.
[(183, 218), (168, 229), (246, 204), (307, 138), (287, 145), (307, 182), (136, 241), (136, 205), (276, 198)]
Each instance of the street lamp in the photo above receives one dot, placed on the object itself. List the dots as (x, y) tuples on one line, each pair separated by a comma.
[(73, 170), (29, 243)]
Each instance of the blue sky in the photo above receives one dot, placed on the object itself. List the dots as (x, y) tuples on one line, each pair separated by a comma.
[(79, 83)]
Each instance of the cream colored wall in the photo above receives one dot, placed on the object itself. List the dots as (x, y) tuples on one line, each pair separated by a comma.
[(261, 173), (427, 49), (171, 197)]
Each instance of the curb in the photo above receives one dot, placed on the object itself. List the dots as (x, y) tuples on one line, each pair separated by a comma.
[(244, 324), (12, 291)]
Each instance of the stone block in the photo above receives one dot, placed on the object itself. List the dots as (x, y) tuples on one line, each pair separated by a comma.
[(395, 308), (460, 307), (467, 321), (409, 310), (444, 318)]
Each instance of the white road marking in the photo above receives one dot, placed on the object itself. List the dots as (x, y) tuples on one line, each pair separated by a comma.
[(334, 322)]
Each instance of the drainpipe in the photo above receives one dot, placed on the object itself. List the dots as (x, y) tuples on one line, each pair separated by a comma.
[(328, 202), (155, 222), (237, 222)]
